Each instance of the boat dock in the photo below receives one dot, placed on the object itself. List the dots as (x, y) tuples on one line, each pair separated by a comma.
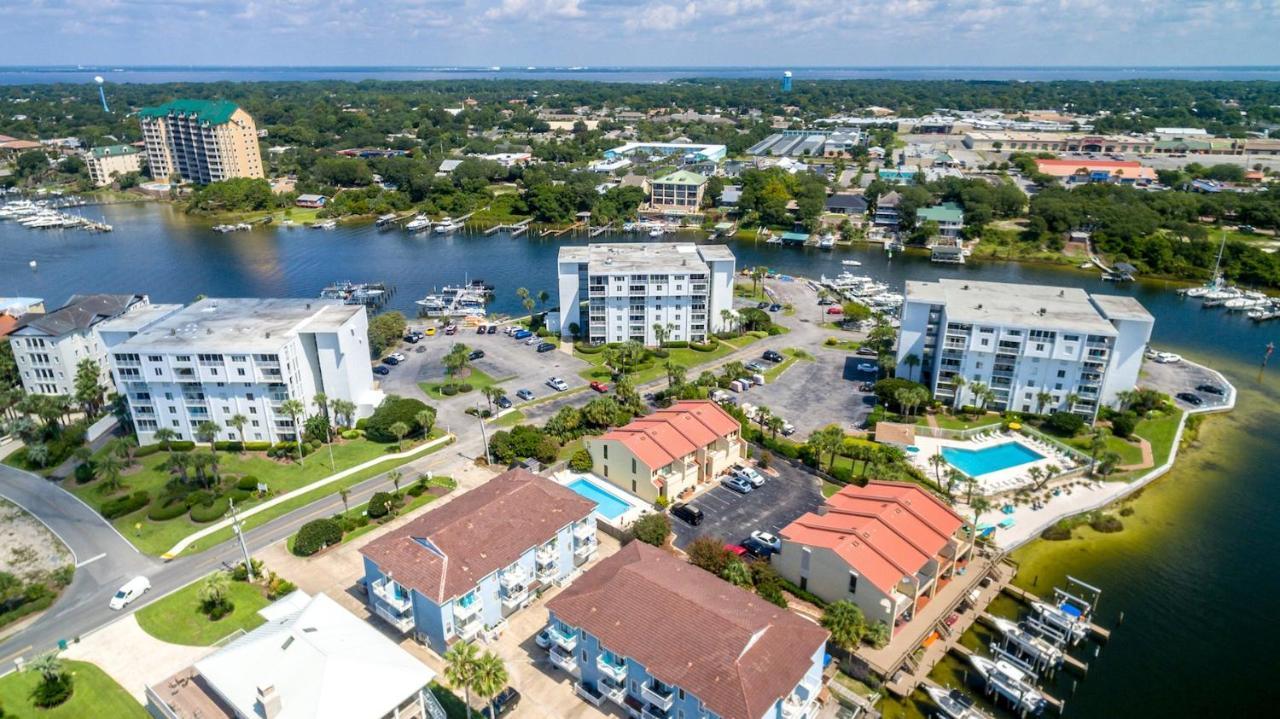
[(516, 229), (1081, 667), (597, 231), (973, 710), (965, 653), (563, 230), (1022, 595)]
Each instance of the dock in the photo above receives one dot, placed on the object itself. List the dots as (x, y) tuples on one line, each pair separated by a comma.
[(975, 709), (1067, 660), (597, 231), (964, 653), (563, 230), (516, 229), (1022, 595)]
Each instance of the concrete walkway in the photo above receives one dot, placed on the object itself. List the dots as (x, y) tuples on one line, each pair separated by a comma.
[(132, 657), (223, 524)]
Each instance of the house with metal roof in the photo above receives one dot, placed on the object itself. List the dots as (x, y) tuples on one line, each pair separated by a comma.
[(847, 203), (883, 547), (948, 215), (677, 193), (659, 637), (451, 573), (112, 161), (48, 347)]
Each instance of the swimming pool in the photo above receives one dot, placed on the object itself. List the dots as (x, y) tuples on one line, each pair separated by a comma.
[(977, 462), (609, 506)]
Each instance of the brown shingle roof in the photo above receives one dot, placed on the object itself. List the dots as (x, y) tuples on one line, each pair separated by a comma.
[(728, 647), (476, 533)]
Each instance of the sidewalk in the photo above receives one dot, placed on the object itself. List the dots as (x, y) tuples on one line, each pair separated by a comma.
[(223, 524)]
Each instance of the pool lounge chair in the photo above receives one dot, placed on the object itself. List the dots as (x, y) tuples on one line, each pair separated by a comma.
[(1007, 523)]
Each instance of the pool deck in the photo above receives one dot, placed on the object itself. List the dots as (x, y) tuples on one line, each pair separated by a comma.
[(990, 483), (635, 505)]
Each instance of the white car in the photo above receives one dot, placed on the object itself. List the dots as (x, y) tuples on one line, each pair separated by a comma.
[(399, 356), (557, 384), (533, 340), (769, 539), (1168, 358), (543, 639), (866, 367), (749, 474), (132, 589)]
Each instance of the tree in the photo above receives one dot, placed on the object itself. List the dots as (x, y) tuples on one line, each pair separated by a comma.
[(1042, 398), (214, 595), (652, 529), (912, 361), (461, 664), (38, 454), (55, 685), (399, 429), (709, 553), (425, 419), (581, 461), (737, 573), (88, 386), (295, 409), (490, 678), (878, 634), (980, 393), (237, 422), (775, 425), (345, 494), (937, 462), (395, 476), (343, 410), (385, 331), (165, 437), (845, 622), (1110, 461), (456, 360), (321, 401), (109, 467), (828, 441)]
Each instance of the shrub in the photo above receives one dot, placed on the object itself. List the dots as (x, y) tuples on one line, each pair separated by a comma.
[(172, 508), (380, 505), (146, 451), (316, 535), (200, 496), (676, 344), (886, 390), (240, 495), (1126, 511), (1122, 425), (53, 691), (225, 446), (1105, 523), (257, 446), (701, 347), (1066, 424), (587, 349), (240, 574), (448, 390), (209, 512), (248, 483), (580, 461), (84, 473), (660, 353), (181, 445), (351, 434), (121, 506), (652, 529), (710, 554), (1060, 531), (802, 594), (395, 409), (465, 388)]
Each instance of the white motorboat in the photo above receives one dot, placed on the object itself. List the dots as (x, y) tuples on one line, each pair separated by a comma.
[(418, 223), (1040, 649), (1010, 682), (325, 225), (655, 232), (827, 241), (1072, 625), (1240, 304), (953, 704), (385, 220), (448, 224), (851, 263)]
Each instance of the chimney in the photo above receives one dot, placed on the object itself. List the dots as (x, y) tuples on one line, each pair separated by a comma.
[(269, 702)]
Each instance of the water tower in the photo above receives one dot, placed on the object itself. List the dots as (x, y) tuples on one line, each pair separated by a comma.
[(102, 95), (786, 81)]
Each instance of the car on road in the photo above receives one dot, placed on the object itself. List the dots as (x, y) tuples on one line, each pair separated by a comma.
[(501, 705), (1192, 399), (493, 329), (775, 307), (524, 394), (599, 386), (131, 590), (431, 332), (773, 356), (391, 360), (757, 548), (543, 639), (736, 483), (867, 367), (1168, 358), (503, 402), (475, 355), (480, 330), (770, 540), (866, 387), (382, 370), (690, 514), (545, 347), (1211, 389), (557, 384), (750, 474)]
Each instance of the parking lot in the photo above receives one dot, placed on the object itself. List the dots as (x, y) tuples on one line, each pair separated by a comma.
[(814, 394), (732, 517), (1184, 376)]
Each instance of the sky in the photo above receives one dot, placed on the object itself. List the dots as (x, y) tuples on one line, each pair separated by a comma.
[(640, 32)]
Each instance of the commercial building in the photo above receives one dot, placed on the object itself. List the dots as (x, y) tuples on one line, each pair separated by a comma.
[(219, 358), (660, 638), (687, 152), (1002, 141), (835, 142), (679, 193), (106, 164), (202, 141), (883, 547), (1021, 342), (669, 452), (948, 215), (456, 570), (47, 347), (630, 287), (1086, 171), (312, 659)]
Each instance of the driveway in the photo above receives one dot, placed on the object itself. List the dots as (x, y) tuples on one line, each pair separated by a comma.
[(732, 517), (814, 394), (1183, 376)]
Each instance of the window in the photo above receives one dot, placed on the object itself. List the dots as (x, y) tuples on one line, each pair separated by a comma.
[(853, 582), (606, 470), (633, 465), (605, 450), (240, 371), (1062, 373), (633, 482), (804, 559)]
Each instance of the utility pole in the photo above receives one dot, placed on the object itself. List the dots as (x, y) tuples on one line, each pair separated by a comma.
[(483, 435), (244, 548)]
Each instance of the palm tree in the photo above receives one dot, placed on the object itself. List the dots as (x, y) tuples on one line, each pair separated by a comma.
[(237, 422), (1071, 400), (345, 494), (109, 467), (399, 429), (426, 419), (214, 592), (491, 394), (295, 409), (1042, 398), (827, 441), (937, 462), (490, 678), (958, 382), (659, 333), (165, 437), (762, 416), (954, 477), (199, 461), (461, 663), (178, 462), (321, 401), (980, 393), (47, 665), (543, 298), (1037, 477), (776, 424), (845, 622), (394, 475), (911, 361), (38, 453), (980, 506), (727, 317), (757, 274), (344, 409)]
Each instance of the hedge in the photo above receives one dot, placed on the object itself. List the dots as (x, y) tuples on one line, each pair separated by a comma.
[(465, 387), (803, 594), (700, 347), (210, 512), (170, 509), (146, 451), (257, 446), (660, 353), (380, 505), (351, 434), (248, 483), (240, 495), (676, 344), (316, 535), (448, 390), (587, 349), (228, 446), (178, 445), (121, 506), (84, 473)]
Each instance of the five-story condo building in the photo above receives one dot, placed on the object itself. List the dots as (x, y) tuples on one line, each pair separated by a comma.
[(619, 292), (1027, 348), (458, 570), (200, 140), (219, 358), (662, 638)]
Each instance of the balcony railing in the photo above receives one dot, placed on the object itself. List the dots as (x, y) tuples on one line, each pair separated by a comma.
[(583, 531), (564, 660), (795, 708), (462, 612), (469, 629), (651, 712), (661, 697), (563, 638), (386, 591), (403, 622), (613, 670), (584, 550)]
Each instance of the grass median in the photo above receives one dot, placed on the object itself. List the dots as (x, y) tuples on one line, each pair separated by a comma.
[(95, 695), (178, 618)]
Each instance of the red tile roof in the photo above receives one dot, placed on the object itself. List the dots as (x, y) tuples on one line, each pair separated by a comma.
[(731, 649), (1066, 168), (669, 434), (476, 533), (7, 324), (884, 531)]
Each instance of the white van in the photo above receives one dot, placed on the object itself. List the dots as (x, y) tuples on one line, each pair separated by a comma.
[(132, 589)]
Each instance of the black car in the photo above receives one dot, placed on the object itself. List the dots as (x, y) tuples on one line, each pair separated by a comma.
[(691, 515), (1211, 389), (480, 330), (773, 355), (390, 361), (1191, 399), (775, 307), (545, 347), (475, 355), (411, 339), (503, 402), (825, 301), (382, 370), (493, 329), (762, 305), (756, 548), (866, 387), (502, 704)]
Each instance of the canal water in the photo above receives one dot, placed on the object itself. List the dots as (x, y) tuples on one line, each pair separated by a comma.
[(1194, 571)]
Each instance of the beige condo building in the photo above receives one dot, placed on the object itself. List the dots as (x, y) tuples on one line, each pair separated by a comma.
[(202, 141)]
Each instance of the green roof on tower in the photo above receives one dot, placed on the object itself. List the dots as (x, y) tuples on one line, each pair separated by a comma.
[(214, 112)]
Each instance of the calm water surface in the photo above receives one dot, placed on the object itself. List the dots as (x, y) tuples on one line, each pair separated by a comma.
[(1195, 570)]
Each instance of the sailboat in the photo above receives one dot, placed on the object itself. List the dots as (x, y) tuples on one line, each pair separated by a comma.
[(1216, 284)]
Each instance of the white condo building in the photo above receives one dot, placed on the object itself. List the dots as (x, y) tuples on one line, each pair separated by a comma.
[(627, 288), (221, 357), (1021, 341)]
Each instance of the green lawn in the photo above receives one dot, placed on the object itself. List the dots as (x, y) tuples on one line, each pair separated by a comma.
[(947, 421), (1129, 453), (567, 451), (1160, 432), (689, 358), (95, 695), (510, 419), (177, 618), (477, 379), (830, 488), (410, 505), (157, 537)]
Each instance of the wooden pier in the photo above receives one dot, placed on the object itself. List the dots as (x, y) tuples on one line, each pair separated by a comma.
[(516, 229), (597, 231), (563, 230), (1022, 595)]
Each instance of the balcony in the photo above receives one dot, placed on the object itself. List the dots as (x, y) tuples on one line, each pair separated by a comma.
[(613, 691), (564, 660), (403, 622), (658, 695), (652, 712), (547, 560), (582, 551), (796, 708), (467, 630), (513, 588), (613, 669), (392, 595), (583, 531), (566, 639), (464, 611)]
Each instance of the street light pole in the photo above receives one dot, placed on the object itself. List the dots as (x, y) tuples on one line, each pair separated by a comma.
[(483, 435), (244, 548)]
